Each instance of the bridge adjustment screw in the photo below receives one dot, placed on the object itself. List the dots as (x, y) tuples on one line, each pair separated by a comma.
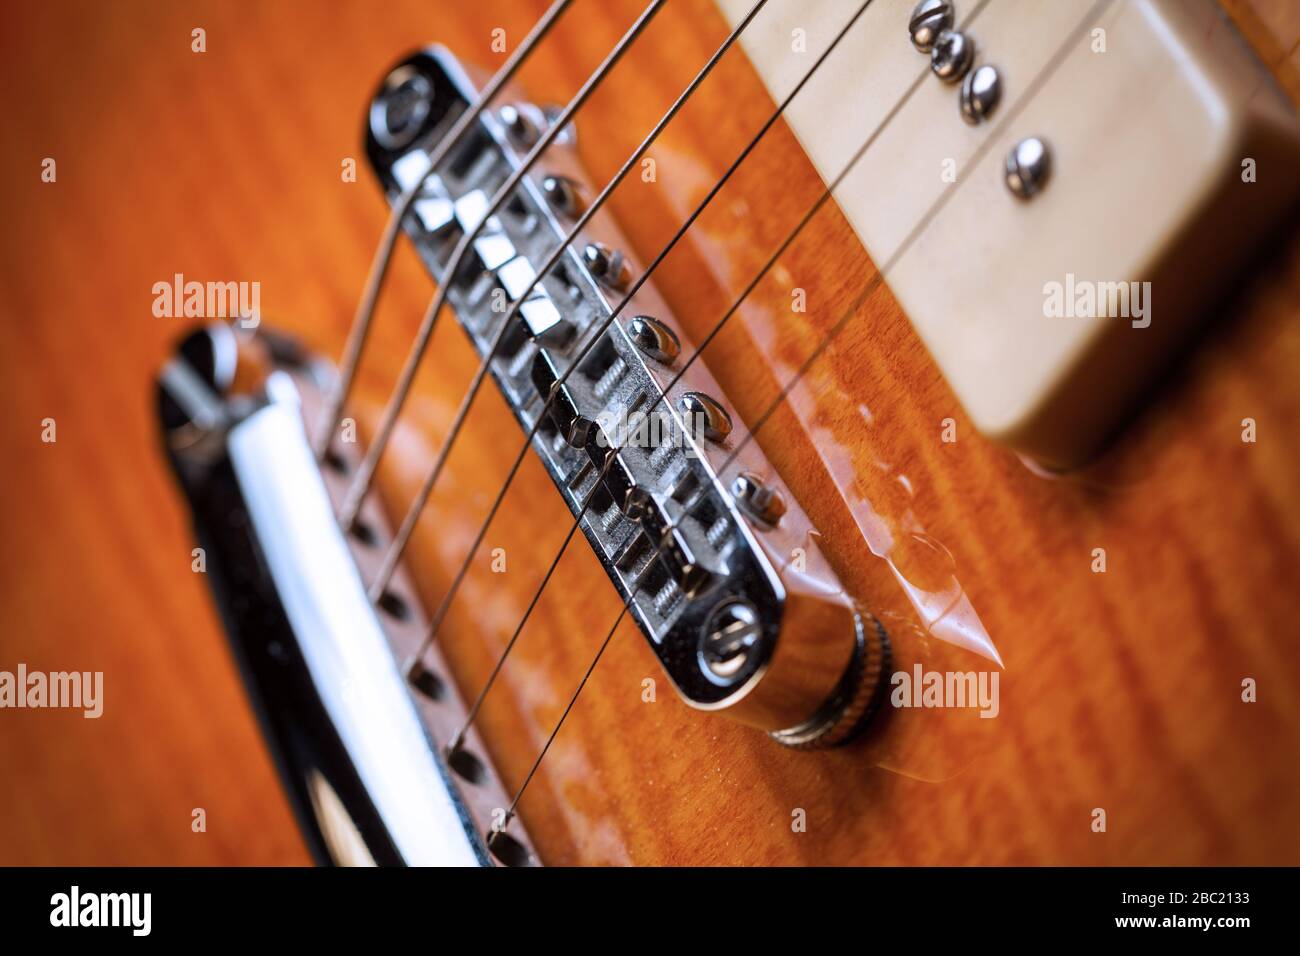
[(731, 635), (758, 499), (399, 112), (929, 19), (952, 55)]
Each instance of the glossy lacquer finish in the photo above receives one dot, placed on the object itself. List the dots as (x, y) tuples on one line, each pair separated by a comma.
[(1119, 690)]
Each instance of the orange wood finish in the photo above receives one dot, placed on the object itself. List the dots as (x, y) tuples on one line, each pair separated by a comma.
[(1120, 691)]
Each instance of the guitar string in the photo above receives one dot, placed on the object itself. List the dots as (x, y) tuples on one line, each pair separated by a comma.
[(767, 266), (400, 540), (352, 349), (1031, 91), (444, 605), (356, 493), (500, 826), (459, 737)]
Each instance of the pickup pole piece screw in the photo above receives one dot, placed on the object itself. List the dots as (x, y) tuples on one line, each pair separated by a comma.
[(929, 19), (952, 55), (980, 92), (1028, 165)]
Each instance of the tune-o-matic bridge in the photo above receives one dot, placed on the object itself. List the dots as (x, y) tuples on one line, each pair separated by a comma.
[(688, 519)]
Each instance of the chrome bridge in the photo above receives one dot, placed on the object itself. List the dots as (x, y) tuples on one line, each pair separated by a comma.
[(694, 528), (712, 553)]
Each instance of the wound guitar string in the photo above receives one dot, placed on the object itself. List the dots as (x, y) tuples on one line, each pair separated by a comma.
[(398, 544), (357, 335), (356, 494)]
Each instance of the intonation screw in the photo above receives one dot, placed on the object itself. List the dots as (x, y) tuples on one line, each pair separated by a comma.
[(523, 123), (758, 499), (562, 193), (653, 338), (605, 264), (705, 415)]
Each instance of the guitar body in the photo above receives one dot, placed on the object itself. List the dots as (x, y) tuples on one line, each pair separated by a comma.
[(1126, 602)]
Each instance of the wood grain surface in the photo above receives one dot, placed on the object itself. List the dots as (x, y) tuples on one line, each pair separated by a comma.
[(1120, 690)]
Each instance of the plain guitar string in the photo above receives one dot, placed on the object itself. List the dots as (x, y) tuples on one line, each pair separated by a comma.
[(356, 341), (555, 389), (399, 542), (459, 737), (793, 234), (841, 323), (356, 494)]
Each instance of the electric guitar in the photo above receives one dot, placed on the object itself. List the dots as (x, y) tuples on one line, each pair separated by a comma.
[(667, 432)]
